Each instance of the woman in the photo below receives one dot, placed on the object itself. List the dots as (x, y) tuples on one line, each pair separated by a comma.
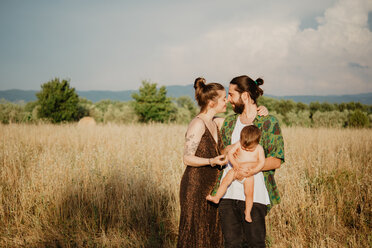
[(199, 222)]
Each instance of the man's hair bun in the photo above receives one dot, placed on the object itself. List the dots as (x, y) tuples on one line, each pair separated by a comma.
[(260, 81)]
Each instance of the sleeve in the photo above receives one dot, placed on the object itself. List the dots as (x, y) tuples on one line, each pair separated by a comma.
[(274, 140)]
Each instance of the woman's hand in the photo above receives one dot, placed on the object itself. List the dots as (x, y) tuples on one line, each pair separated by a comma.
[(262, 111), (219, 160)]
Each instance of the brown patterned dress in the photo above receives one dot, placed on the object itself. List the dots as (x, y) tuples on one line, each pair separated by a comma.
[(199, 222)]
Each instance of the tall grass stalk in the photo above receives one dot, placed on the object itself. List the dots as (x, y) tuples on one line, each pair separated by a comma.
[(117, 186)]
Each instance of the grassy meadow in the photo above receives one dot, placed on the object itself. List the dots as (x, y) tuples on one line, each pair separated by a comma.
[(117, 186)]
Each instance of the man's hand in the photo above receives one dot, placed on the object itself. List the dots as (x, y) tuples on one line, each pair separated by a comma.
[(245, 169)]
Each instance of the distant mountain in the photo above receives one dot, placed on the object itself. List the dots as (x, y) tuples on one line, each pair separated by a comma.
[(177, 91), (18, 95), (365, 98)]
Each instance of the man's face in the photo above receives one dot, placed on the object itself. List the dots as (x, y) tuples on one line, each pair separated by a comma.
[(235, 99)]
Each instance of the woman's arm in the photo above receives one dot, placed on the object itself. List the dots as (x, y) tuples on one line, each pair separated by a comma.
[(194, 133), (262, 111)]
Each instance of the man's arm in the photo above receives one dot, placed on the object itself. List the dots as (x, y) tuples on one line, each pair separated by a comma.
[(261, 160), (272, 163)]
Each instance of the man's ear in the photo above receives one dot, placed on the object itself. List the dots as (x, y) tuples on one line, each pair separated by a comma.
[(246, 97)]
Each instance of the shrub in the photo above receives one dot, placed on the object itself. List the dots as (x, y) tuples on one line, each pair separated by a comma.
[(358, 119), (298, 119), (152, 104), (330, 119), (58, 102)]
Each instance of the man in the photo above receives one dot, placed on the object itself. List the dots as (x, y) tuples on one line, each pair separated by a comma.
[(243, 95)]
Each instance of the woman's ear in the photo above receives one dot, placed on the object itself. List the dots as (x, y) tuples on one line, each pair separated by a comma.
[(212, 104)]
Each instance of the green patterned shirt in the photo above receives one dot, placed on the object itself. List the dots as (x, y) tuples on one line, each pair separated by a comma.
[(272, 143)]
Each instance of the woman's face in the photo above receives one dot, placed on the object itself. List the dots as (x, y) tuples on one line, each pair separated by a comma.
[(221, 102)]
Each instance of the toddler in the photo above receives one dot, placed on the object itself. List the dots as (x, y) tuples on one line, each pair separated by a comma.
[(249, 154)]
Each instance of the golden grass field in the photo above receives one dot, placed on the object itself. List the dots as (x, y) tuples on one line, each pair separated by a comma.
[(117, 186)]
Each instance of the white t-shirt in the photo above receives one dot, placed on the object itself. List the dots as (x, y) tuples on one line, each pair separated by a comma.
[(236, 189)]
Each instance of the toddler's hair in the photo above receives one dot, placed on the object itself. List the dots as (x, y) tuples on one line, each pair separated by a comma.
[(250, 135)]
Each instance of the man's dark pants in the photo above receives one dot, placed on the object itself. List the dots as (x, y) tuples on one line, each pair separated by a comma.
[(236, 231)]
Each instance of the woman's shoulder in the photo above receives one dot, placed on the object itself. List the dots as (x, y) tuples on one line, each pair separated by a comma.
[(196, 124), (219, 121)]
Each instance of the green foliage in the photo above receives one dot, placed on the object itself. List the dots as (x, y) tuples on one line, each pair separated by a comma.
[(152, 104), (187, 103), (285, 106), (186, 109), (120, 112), (326, 107), (11, 112), (330, 119), (58, 102), (301, 107), (268, 102), (314, 106), (358, 119), (300, 118)]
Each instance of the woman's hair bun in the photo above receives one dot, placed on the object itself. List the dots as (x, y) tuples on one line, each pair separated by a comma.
[(259, 81), (199, 83)]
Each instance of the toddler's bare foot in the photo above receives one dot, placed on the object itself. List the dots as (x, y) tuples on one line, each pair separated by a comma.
[(212, 199), (248, 217)]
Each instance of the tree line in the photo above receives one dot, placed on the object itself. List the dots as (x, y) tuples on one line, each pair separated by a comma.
[(58, 102)]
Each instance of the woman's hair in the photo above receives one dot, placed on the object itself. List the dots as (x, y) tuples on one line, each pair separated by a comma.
[(250, 135), (247, 84), (206, 92)]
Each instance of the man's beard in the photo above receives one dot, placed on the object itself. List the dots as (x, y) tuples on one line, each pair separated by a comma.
[(238, 106)]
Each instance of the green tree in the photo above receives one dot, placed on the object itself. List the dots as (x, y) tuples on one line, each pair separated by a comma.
[(187, 103), (326, 107), (314, 106), (330, 119), (358, 119), (152, 104), (300, 107), (285, 106), (268, 102), (12, 112), (59, 102)]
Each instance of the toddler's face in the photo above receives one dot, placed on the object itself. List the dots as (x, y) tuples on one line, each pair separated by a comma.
[(250, 148)]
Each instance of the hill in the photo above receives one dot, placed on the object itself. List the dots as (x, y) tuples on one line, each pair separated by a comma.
[(177, 91)]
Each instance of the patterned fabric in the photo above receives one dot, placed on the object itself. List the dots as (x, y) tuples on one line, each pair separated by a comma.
[(271, 141), (199, 219)]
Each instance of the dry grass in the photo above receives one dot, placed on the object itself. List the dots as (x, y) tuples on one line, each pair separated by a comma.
[(117, 186)]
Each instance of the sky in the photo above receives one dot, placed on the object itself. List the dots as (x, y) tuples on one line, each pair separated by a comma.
[(307, 47)]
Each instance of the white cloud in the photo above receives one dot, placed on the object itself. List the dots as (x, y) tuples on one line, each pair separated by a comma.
[(292, 61), (114, 46)]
